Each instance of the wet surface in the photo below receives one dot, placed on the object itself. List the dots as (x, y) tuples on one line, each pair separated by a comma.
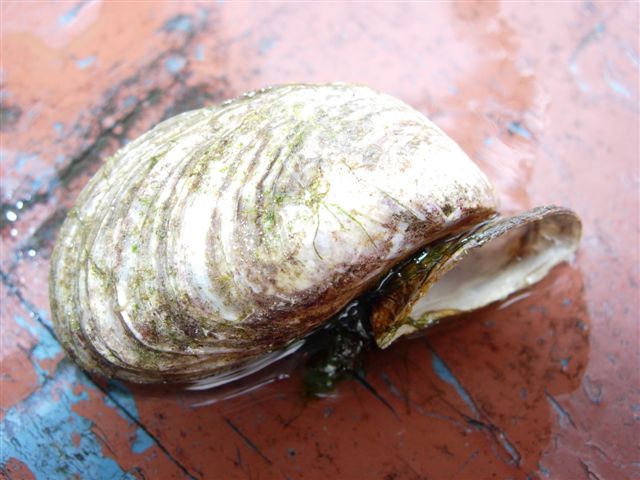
[(545, 99)]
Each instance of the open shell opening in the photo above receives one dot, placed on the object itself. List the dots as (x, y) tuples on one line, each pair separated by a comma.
[(473, 270)]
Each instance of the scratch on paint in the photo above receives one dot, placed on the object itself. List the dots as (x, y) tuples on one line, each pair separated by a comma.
[(543, 470), (248, 441), (574, 69), (587, 470), (516, 128), (71, 14), (617, 87), (464, 464), (391, 386), (443, 371), (445, 374), (593, 389), (563, 415), (362, 381)]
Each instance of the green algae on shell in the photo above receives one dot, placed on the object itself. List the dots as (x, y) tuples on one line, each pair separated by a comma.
[(219, 239)]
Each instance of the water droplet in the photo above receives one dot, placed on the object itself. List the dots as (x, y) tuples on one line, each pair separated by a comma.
[(13, 232), (31, 252), (11, 216), (19, 204)]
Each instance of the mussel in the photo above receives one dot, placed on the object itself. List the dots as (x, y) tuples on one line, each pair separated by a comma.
[(217, 241)]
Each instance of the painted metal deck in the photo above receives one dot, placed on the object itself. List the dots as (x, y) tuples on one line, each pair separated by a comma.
[(545, 97)]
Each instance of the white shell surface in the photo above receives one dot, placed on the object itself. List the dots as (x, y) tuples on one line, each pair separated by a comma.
[(228, 232)]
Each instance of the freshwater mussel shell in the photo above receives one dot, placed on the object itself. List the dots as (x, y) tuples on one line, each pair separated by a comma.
[(225, 235)]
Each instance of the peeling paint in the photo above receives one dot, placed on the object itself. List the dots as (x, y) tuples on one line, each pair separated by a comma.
[(121, 394), (475, 67), (46, 348), (40, 432)]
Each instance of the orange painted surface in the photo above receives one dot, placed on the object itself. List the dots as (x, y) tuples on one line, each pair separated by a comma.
[(543, 97)]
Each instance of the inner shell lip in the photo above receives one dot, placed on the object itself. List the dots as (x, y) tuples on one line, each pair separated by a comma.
[(466, 272)]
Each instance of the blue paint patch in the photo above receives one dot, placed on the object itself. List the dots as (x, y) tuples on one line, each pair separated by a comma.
[(516, 128), (175, 63), (36, 183), (47, 347), (443, 372), (142, 442), (267, 44), (488, 141), (85, 62), (40, 432), (70, 15), (22, 158), (179, 23), (565, 362), (635, 407), (121, 394), (199, 52), (524, 393), (58, 127)]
